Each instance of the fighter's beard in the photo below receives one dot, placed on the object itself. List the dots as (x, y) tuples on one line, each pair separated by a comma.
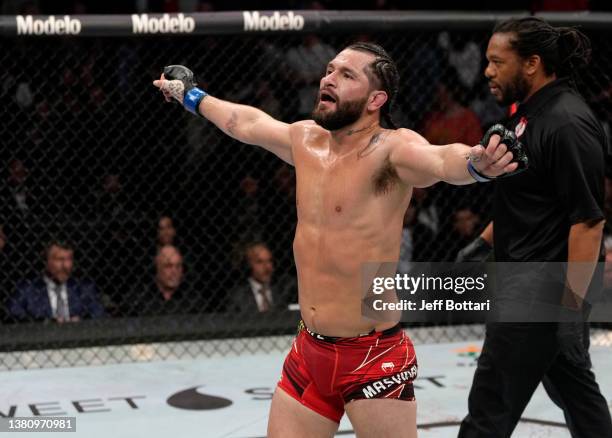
[(346, 114)]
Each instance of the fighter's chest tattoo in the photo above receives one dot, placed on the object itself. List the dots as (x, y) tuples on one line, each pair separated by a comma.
[(376, 140)]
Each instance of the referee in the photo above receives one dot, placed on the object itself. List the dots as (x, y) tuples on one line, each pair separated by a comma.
[(552, 212)]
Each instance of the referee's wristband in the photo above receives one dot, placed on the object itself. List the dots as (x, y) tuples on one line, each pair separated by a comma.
[(476, 174), (192, 100)]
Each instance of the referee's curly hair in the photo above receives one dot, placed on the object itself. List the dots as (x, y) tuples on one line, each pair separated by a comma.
[(564, 51)]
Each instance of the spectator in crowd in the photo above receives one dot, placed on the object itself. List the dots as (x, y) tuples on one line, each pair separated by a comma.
[(261, 92), (465, 223), (259, 293), (451, 120), (427, 213), (406, 256), (417, 241), (284, 178), (117, 236), (425, 66), (56, 295), (111, 199), (282, 208), (265, 98), (119, 259), (96, 101), (192, 251), (191, 239), (17, 199), (307, 63), (465, 228), (486, 108), (19, 216), (464, 57), (168, 293), (166, 232), (249, 222)]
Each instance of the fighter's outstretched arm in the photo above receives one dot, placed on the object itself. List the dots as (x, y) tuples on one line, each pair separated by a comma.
[(249, 125), (242, 122), (421, 164)]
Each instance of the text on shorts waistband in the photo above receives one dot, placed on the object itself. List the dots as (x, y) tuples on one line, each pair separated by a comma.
[(334, 339)]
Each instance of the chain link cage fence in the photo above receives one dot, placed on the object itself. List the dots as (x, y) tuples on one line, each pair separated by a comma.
[(98, 173)]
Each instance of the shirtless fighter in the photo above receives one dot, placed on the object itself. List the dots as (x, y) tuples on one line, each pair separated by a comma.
[(354, 182)]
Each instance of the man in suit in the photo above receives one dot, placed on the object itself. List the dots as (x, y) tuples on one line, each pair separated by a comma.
[(55, 295), (257, 293), (167, 293)]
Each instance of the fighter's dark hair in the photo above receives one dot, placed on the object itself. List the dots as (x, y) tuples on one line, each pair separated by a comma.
[(564, 51), (384, 71)]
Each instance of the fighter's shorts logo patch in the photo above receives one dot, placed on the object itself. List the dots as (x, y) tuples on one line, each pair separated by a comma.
[(387, 367), (520, 128)]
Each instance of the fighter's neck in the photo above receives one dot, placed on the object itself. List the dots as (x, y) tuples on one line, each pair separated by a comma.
[(351, 135)]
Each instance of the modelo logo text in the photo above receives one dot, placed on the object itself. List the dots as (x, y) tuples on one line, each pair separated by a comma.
[(276, 21), (165, 24), (28, 25)]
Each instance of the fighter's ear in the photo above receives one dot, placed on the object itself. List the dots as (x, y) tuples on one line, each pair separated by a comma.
[(377, 99)]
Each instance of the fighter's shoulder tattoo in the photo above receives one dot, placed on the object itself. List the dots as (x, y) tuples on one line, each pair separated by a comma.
[(377, 139)]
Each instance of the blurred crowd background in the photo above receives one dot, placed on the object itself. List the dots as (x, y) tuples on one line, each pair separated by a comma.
[(116, 204)]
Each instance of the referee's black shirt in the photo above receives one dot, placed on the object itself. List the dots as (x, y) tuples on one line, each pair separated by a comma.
[(564, 184)]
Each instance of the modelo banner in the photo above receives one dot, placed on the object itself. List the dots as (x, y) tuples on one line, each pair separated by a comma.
[(217, 23), (265, 22)]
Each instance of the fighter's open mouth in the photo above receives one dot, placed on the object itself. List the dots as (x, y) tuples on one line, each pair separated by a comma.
[(326, 97)]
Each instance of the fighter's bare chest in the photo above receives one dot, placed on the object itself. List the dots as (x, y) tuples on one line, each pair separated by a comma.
[(343, 187)]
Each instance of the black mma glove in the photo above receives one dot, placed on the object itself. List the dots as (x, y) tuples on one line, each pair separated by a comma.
[(512, 143), (180, 84)]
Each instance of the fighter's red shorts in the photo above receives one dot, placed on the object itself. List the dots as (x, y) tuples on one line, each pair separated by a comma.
[(325, 373)]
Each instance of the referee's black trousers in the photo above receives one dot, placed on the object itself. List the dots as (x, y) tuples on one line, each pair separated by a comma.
[(515, 358)]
